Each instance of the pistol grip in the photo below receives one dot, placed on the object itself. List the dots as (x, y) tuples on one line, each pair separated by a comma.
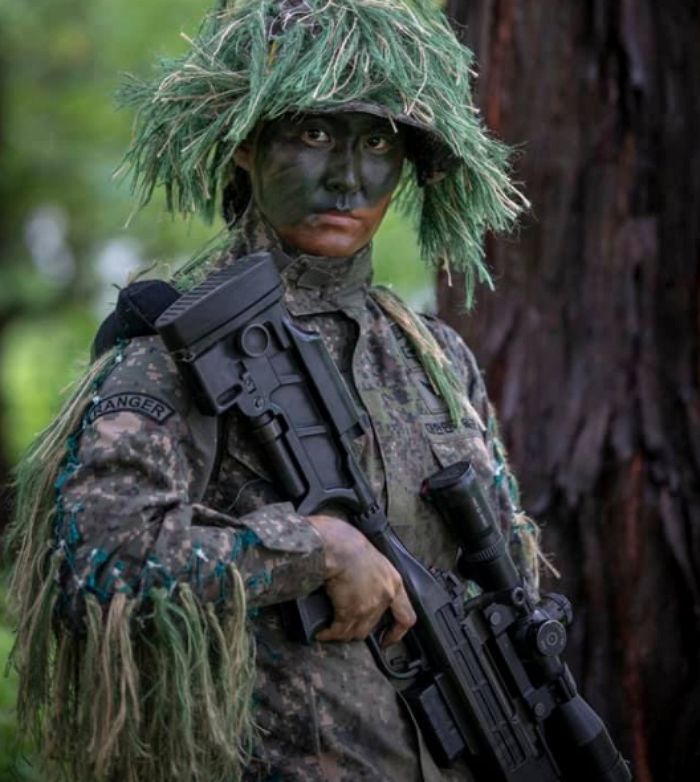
[(304, 617)]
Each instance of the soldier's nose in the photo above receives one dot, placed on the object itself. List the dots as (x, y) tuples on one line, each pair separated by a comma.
[(343, 172)]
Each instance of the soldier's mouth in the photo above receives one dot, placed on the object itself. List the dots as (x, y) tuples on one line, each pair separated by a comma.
[(337, 217)]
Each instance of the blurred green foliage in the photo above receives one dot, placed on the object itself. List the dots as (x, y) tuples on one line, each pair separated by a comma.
[(61, 139), (15, 762)]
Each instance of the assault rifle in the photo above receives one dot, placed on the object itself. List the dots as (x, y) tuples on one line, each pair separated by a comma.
[(482, 677)]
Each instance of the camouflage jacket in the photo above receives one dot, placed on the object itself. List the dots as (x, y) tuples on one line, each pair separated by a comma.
[(153, 508)]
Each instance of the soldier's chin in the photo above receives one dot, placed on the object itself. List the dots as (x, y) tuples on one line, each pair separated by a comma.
[(324, 239)]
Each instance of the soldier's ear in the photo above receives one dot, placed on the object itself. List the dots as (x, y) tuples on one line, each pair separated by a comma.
[(244, 155)]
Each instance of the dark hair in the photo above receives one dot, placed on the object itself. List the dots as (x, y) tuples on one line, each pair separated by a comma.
[(236, 195)]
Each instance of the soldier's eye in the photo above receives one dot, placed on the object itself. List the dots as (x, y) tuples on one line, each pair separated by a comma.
[(315, 137), (378, 143)]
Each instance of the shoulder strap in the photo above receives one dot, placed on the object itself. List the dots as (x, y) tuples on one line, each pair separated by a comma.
[(138, 308)]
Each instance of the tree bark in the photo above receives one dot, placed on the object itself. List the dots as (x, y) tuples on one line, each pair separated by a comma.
[(591, 343)]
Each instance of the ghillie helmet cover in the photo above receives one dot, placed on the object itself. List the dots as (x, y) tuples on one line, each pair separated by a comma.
[(255, 61)]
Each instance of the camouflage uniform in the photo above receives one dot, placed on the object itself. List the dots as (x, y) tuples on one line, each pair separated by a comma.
[(151, 506)]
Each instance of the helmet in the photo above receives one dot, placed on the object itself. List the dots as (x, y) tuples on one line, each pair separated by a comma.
[(256, 60)]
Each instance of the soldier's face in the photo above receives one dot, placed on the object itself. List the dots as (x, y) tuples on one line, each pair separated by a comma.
[(324, 181)]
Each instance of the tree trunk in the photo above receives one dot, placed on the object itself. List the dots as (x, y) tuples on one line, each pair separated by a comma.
[(591, 342)]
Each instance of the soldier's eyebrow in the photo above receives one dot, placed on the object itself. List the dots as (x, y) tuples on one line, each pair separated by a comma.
[(302, 119), (383, 125), (384, 129)]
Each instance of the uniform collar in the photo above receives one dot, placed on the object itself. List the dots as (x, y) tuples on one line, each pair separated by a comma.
[(312, 281), (330, 278)]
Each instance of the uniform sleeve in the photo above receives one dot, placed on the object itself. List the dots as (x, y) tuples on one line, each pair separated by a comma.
[(519, 529), (129, 513)]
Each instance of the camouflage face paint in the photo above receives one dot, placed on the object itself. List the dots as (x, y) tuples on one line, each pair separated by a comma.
[(324, 181)]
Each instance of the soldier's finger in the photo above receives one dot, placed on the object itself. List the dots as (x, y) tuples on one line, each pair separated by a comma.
[(362, 629), (404, 618), (338, 631)]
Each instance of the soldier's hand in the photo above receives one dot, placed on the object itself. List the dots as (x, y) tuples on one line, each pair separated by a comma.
[(361, 583)]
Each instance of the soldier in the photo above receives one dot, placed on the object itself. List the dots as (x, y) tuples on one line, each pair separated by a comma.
[(149, 643)]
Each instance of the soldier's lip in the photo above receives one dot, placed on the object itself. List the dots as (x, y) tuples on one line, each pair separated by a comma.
[(336, 217)]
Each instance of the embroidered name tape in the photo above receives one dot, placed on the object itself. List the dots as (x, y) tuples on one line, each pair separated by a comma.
[(143, 404), (447, 427)]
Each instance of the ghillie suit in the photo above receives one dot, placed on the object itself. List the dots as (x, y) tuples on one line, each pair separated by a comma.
[(155, 682)]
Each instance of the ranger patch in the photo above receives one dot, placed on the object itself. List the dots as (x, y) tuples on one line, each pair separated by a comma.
[(153, 408)]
